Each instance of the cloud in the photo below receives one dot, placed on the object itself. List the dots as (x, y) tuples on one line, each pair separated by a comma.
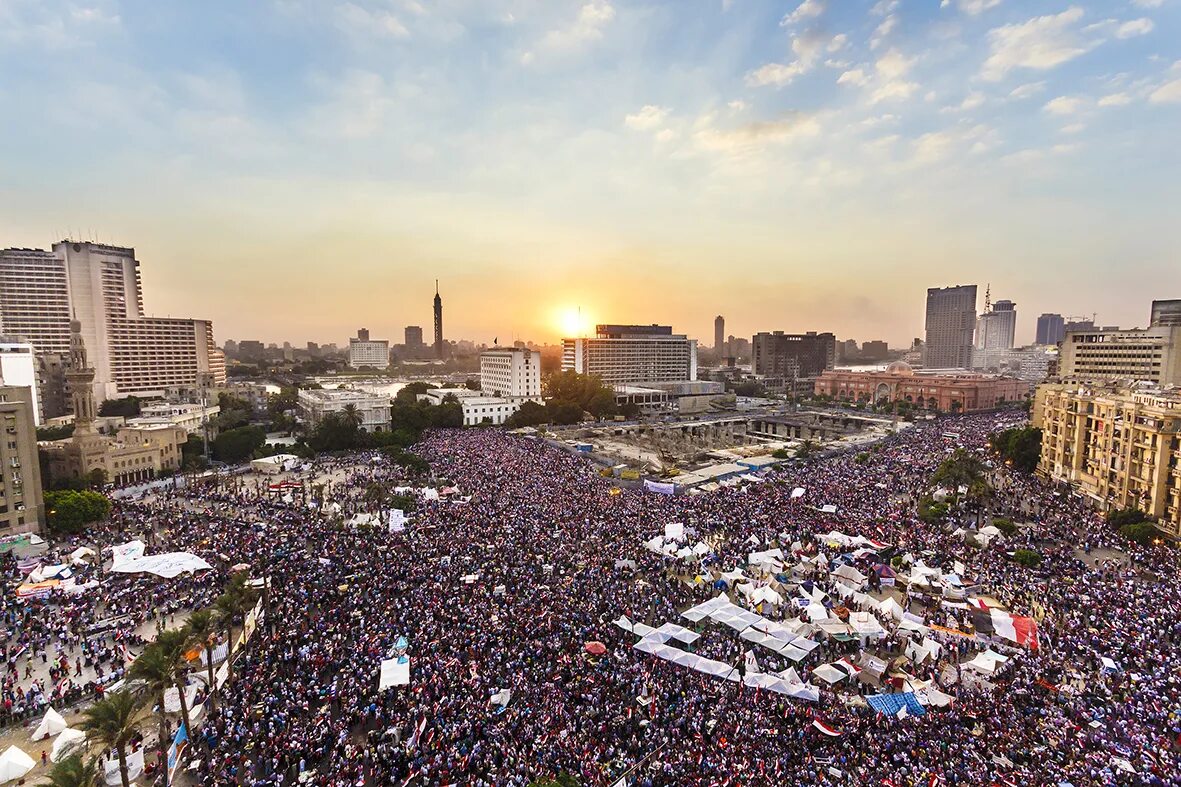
[(893, 64), (357, 21), (1115, 100), (807, 48), (977, 7), (1168, 93), (1064, 105), (809, 9), (1027, 90), (649, 117), (890, 68), (593, 17), (776, 74), (882, 31), (1148, 3), (971, 101), (1040, 43), (894, 89), (854, 76), (752, 137), (1135, 27)]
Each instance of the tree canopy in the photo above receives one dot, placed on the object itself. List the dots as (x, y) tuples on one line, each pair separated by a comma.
[(1020, 446), (70, 510), (585, 391)]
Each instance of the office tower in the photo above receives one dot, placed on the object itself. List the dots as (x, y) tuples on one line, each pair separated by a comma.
[(313, 349), (413, 336), (1116, 443), (623, 354), (364, 351), (511, 372), (995, 331), (251, 350), (875, 350), (1050, 329), (1166, 313), (720, 335), (438, 322), (950, 325), (99, 285), (793, 356), (1151, 355), (22, 509)]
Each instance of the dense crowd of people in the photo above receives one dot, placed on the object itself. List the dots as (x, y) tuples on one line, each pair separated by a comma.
[(501, 585)]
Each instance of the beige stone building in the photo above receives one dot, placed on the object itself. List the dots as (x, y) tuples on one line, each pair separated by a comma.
[(22, 508), (134, 454), (1119, 446)]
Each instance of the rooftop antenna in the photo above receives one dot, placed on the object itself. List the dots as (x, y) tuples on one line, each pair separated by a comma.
[(987, 297)]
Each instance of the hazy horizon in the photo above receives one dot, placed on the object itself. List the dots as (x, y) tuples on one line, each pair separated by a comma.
[(296, 170)]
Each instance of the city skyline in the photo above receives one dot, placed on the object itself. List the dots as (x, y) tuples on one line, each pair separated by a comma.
[(793, 166)]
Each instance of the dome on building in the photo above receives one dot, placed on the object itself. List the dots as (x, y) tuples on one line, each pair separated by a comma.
[(900, 367)]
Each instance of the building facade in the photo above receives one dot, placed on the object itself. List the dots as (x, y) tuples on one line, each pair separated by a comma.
[(793, 356), (363, 351), (99, 285), (632, 354), (372, 410), (1119, 446), (22, 508), (1166, 313), (19, 368), (720, 336), (950, 326), (1050, 329), (996, 331), (511, 372), (949, 393), (413, 336), (1151, 355)]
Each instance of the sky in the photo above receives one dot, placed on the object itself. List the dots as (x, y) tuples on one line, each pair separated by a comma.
[(296, 169)]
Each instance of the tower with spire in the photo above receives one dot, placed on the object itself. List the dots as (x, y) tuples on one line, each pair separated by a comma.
[(81, 380), (438, 322)]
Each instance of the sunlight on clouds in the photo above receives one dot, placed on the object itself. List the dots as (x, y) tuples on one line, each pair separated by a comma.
[(1040, 43)]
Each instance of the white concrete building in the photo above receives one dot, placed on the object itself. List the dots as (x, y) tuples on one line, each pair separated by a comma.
[(99, 285), (18, 369), (1150, 355), (477, 408), (511, 372), (363, 351), (190, 417), (372, 409), (632, 355)]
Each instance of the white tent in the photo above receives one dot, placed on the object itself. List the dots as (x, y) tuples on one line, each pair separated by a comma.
[(79, 555), (892, 608), (394, 672), (66, 742), (14, 764), (829, 674), (51, 724)]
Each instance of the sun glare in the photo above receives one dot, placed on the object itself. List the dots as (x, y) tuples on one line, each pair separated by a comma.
[(572, 322)]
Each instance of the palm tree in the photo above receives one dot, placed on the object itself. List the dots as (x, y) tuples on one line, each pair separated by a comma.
[(232, 607), (73, 771), (352, 416), (174, 643), (155, 668), (202, 631), (110, 722)]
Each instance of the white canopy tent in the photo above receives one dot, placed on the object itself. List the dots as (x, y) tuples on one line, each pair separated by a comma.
[(14, 764), (66, 742), (51, 724)]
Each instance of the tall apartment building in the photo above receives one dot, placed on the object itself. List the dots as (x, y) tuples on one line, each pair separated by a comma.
[(413, 336), (950, 326), (633, 354), (1151, 355), (22, 508), (511, 373), (1166, 313), (793, 356), (100, 286), (1050, 329), (19, 368), (1120, 446), (363, 351), (720, 335)]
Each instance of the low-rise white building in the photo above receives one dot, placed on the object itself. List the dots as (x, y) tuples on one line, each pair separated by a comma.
[(477, 408), (373, 410), (511, 373), (190, 417)]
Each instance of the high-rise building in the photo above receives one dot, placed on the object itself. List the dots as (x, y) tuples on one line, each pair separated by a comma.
[(511, 373), (1119, 445), (793, 356), (99, 285), (364, 351), (633, 354), (438, 322), (720, 336), (996, 330), (1151, 355), (1050, 329), (875, 350), (22, 508), (1167, 313), (950, 325), (413, 336)]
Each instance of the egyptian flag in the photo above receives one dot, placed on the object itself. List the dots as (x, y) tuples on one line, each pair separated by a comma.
[(831, 732), (1015, 628)]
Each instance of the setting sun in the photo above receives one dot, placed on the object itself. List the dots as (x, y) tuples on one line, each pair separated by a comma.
[(572, 322)]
